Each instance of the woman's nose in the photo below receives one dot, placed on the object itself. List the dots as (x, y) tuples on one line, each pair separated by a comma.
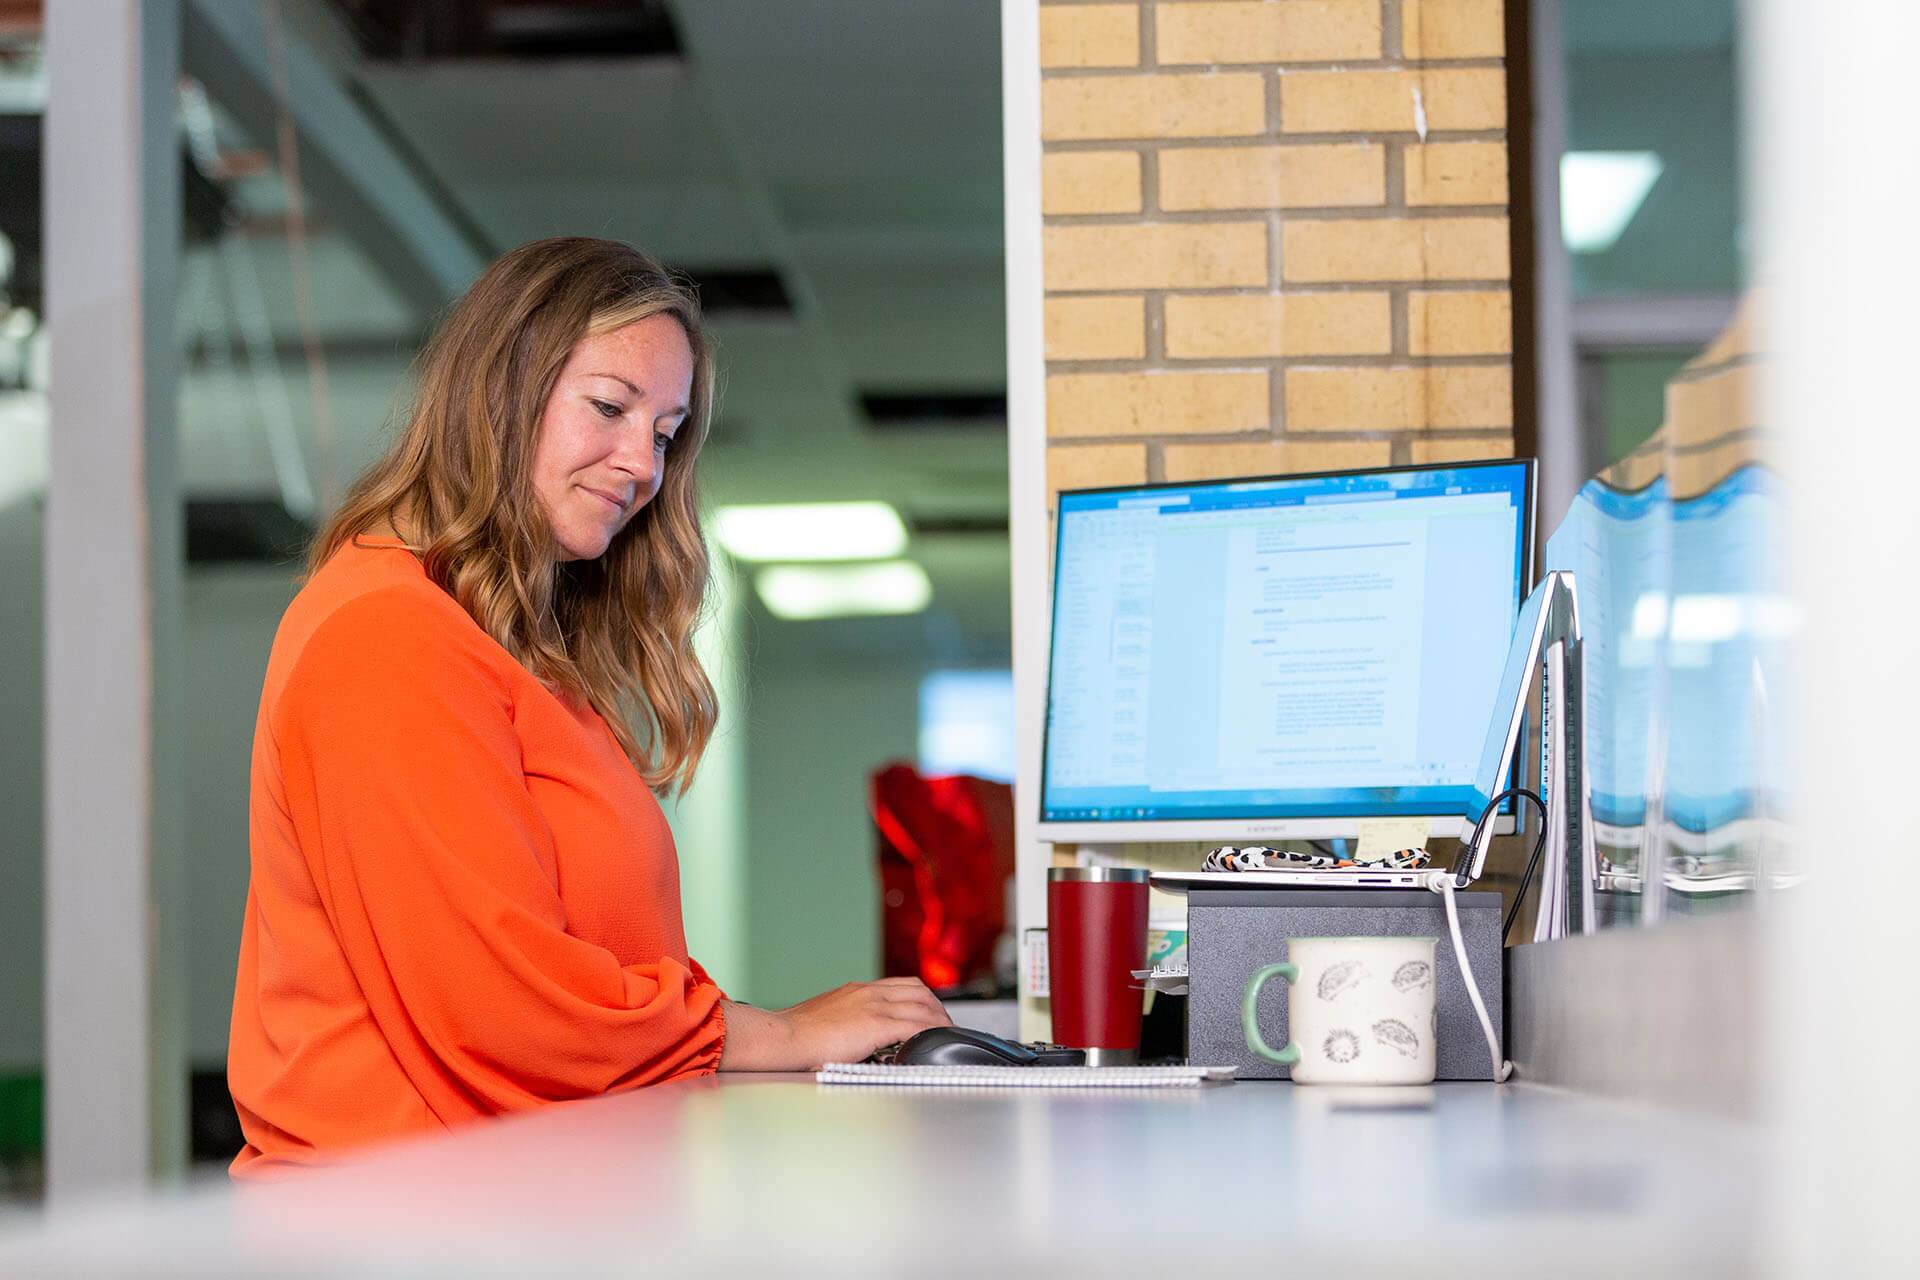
[(635, 455)]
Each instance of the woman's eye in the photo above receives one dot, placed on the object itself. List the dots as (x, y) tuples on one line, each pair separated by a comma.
[(661, 440), (606, 410)]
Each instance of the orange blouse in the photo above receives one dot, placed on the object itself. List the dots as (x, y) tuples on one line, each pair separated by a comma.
[(464, 901)]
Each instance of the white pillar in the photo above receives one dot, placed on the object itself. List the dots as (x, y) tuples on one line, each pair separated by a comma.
[(1566, 457), (1829, 128), (1026, 463), (116, 1093)]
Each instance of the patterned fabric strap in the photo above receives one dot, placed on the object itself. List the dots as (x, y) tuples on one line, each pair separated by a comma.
[(1260, 858)]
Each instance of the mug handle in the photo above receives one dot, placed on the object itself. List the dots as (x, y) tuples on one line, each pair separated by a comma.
[(1249, 1021)]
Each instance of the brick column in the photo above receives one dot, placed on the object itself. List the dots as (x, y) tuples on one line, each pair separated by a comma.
[(1275, 236)]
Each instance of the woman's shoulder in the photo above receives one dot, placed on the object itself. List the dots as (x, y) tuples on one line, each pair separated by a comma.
[(373, 587), (372, 611)]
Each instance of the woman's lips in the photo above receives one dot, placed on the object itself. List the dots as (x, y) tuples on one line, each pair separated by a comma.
[(607, 498)]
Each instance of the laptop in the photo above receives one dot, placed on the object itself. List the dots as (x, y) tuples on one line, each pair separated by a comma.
[(1504, 732)]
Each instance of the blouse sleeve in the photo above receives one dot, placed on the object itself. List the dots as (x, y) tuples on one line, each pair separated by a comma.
[(404, 780), (700, 974)]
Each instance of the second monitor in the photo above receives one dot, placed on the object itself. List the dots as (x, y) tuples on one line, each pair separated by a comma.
[(1279, 658)]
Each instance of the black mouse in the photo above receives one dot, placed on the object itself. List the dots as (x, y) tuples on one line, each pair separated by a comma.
[(966, 1047)]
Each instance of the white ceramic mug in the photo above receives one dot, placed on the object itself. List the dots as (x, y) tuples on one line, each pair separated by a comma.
[(1361, 1010)]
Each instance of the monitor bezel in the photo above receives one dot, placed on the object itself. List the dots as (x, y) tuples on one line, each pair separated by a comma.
[(1230, 830)]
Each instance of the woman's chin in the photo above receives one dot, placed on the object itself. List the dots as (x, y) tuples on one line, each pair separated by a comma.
[(584, 547)]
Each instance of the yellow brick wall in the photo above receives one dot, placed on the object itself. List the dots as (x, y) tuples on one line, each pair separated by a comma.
[(1275, 236)]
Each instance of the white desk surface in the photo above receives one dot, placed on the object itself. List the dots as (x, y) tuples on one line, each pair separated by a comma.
[(774, 1175)]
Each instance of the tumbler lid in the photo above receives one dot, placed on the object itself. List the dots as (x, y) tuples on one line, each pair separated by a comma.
[(1098, 875)]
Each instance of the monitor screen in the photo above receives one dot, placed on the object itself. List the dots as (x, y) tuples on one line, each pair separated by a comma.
[(1315, 647)]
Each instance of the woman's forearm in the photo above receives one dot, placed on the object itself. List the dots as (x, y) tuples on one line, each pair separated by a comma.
[(843, 1025), (758, 1040)]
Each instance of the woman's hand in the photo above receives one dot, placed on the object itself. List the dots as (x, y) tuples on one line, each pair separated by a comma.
[(844, 1025)]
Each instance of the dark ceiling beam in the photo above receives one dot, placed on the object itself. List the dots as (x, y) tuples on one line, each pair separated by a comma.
[(353, 173)]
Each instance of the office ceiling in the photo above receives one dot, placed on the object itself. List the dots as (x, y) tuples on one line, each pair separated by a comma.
[(1648, 26), (851, 148), (1662, 76)]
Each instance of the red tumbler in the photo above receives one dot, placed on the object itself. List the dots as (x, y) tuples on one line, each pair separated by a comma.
[(1096, 938)]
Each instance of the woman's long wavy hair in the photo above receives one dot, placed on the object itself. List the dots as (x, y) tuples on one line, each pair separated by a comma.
[(617, 631)]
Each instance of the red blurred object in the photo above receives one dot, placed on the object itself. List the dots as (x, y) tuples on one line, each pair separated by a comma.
[(946, 852)]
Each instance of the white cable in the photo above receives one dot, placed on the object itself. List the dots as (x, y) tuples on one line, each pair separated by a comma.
[(1441, 882)]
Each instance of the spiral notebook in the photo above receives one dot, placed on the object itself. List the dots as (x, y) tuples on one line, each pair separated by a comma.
[(875, 1073)]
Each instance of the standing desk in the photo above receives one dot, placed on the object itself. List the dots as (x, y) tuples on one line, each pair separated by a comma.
[(774, 1175)]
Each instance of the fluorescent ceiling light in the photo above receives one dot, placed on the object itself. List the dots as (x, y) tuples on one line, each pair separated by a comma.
[(1600, 191), (811, 531), (23, 445), (802, 593)]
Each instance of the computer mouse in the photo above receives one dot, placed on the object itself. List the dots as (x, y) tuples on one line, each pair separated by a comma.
[(962, 1047), (966, 1047)]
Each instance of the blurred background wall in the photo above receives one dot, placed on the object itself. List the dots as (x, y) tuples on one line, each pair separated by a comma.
[(1263, 252), (827, 172)]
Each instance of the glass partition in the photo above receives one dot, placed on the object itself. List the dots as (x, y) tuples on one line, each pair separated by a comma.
[(1673, 541)]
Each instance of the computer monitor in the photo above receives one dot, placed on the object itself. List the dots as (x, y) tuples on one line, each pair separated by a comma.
[(1279, 658)]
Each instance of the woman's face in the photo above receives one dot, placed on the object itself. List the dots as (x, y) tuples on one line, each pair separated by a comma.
[(606, 429)]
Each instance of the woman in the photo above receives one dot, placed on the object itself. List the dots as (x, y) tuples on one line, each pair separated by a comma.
[(465, 900)]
